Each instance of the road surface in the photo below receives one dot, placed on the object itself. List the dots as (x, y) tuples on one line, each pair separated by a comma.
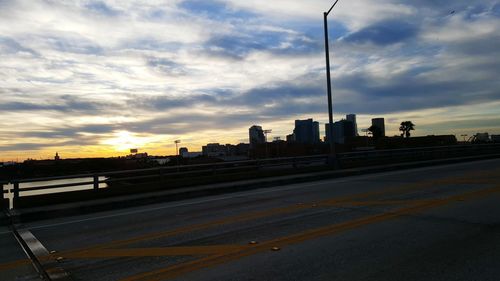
[(436, 223)]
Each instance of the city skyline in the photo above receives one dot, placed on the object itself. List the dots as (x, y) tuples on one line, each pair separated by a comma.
[(96, 78)]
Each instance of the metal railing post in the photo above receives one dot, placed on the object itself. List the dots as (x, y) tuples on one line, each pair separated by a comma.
[(96, 182), (16, 197)]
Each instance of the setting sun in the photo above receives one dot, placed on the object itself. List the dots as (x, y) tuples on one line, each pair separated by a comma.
[(124, 140)]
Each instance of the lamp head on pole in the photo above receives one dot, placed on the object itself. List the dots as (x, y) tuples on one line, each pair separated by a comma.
[(326, 13)]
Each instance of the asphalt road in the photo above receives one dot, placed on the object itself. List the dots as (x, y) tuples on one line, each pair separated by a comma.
[(436, 223), (13, 262)]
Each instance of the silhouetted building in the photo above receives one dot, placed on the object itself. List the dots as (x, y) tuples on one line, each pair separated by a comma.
[(327, 133), (352, 118), (242, 149), (424, 141), (183, 150), (193, 154), (219, 150), (379, 123), (306, 131), (137, 156), (341, 130), (495, 138), (290, 138), (256, 135), (214, 150)]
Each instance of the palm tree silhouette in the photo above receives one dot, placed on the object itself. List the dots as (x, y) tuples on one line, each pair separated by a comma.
[(406, 127)]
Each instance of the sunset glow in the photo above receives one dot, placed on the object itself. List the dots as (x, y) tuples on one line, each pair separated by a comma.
[(96, 78)]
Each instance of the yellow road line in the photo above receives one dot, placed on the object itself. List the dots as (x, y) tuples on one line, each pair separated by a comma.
[(183, 268), (376, 203), (14, 264), (258, 215), (157, 252), (478, 177)]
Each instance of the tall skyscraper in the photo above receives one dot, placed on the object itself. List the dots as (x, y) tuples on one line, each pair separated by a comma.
[(256, 135), (341, 130), (306, 131), (327, 133), (352, 118), (380, 123)]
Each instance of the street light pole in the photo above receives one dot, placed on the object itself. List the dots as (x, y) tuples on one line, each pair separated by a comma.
[(177, 151), (328, 82)]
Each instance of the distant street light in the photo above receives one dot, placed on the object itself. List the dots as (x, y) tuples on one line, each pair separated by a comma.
[(329, 83), (267, 132), (177, 151)]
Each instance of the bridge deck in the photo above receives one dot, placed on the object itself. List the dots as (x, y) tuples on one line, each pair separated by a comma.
[(436, 223)]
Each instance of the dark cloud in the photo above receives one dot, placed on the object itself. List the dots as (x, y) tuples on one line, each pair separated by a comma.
[(22, 146), (235, 46), (406, 92), (169, 102), (31, 146), (254, 98), (167, 67), (77, 45), (496, 10), (63, 104), (102, 8), (11, 46), (71, 132), (24, 106), (477, 47), (191, 122), (279, 43), (147, 43), (384, 33), (280, 94)]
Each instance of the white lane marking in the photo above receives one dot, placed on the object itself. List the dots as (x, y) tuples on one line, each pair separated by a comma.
[(245, 194)]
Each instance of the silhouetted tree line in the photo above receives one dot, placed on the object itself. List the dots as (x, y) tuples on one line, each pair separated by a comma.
[(50, 168)]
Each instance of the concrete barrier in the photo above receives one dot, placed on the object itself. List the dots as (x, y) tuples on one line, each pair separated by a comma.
[(61, 210)]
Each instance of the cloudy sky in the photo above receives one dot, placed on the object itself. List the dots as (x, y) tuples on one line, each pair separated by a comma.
[(95, 78)]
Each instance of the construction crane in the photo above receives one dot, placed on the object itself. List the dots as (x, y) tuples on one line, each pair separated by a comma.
[(479, 138)]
